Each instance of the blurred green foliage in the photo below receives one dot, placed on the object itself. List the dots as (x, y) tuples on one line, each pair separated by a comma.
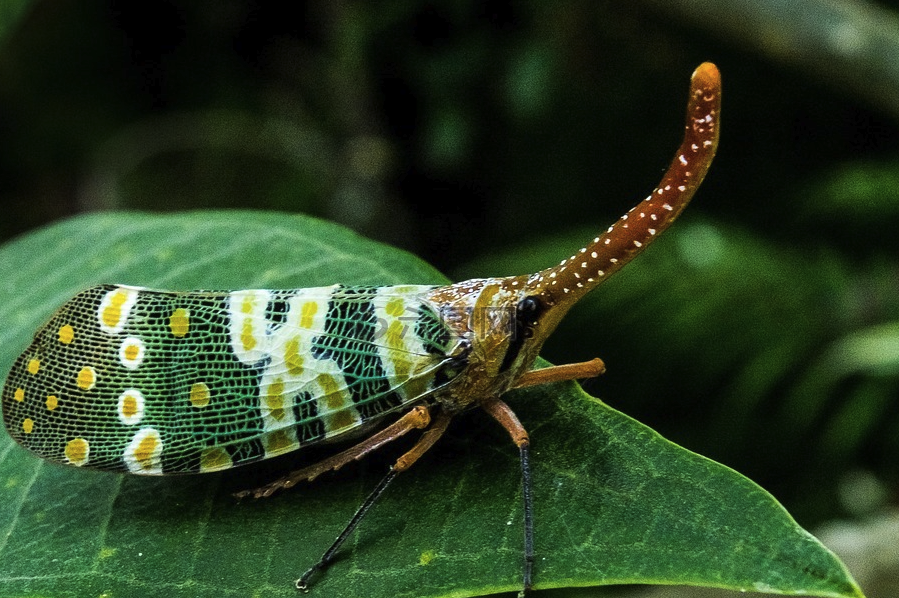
[(493, 138)]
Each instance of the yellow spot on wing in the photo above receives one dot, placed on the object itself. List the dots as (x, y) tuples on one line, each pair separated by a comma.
[(145, 449), (278, 442), (28, 425), (339, 420), (246, 335), (33, 366), (292, 357), (52, 402), (143, 454), (275, 397), (395, 307), (66, 334), (274, 400), (87, 377), (395, 333), (112, 313), (199, 395), (77, 451), (19, 395), (179, 322), (248, 325), (215, 459), (406, 364), (114, 308), (131, 353), (129, 406), (308, 313), (334, 397), (340, 413)]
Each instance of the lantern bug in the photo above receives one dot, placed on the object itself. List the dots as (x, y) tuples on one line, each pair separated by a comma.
[(153, 382)]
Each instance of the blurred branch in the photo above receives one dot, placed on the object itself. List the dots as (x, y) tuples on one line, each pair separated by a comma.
[(240, 132), (852, 44)]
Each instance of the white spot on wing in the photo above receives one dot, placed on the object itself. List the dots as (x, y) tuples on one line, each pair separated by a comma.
[(143, 455)]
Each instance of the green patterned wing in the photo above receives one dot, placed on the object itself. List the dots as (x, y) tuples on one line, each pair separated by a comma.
[(153, 382)]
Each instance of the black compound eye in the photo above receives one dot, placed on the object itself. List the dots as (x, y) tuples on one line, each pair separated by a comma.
[(528, 309), (526, 313)]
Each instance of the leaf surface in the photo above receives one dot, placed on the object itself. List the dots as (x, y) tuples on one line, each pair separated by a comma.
[(615, 502)]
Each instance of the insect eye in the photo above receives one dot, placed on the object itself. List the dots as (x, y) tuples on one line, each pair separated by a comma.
[(528, 308)]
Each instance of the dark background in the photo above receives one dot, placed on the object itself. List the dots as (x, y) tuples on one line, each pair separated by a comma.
[(494, 138)]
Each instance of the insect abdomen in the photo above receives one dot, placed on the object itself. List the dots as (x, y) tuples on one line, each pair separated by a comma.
[(151, 382)]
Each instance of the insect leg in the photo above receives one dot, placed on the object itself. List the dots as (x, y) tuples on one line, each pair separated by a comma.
[(303, 582), (508, 420), (426, 441), (556, 373), (416, 419)]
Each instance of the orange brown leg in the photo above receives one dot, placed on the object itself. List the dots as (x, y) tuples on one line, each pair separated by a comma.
[(416, 419), (503, 414), (557, 373), (406, 461)]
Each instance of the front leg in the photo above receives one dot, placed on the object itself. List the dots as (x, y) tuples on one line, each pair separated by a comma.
[(508, 420), (416, 419), (557, 373), (406, 461)]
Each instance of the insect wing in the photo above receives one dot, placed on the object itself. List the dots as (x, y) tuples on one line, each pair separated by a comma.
[(151, 382)]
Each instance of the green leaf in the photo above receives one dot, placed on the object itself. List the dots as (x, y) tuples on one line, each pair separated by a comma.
[(615, 502)]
